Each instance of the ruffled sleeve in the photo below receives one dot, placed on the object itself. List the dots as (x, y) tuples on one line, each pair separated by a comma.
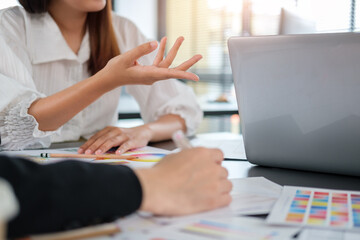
[(18, 129), (163, 97)]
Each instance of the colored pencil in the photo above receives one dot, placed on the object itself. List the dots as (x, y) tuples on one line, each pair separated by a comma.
[(71, 155), (82, 233)]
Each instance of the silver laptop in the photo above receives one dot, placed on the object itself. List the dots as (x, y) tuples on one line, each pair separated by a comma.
[(299, 100)]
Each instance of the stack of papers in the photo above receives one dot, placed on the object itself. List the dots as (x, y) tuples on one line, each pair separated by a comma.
[(321, 234), (239, 228), (321, 213), (251, 196), (335, 213)]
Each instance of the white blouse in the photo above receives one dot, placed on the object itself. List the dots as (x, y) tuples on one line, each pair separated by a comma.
[(35, 62)]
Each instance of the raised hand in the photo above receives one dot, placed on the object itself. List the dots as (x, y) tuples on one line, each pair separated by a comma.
[(125, 68)]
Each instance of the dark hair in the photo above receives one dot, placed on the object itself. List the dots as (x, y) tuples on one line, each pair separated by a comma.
[(37, 6), (103, 44)]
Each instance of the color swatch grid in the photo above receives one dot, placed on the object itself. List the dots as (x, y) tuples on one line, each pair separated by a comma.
[(324, 208), (339, 210), (318, 208), (298, 206), (218, 230), (355, 205)]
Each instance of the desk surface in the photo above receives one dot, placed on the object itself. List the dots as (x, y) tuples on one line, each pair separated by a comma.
[(242, 169), (281, 176)]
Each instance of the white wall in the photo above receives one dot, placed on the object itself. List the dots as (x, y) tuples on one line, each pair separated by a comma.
[(142, 12), (8, 3)]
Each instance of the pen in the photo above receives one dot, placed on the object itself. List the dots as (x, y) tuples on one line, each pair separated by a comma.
[(70, 155), (87, 232), (180, 140)]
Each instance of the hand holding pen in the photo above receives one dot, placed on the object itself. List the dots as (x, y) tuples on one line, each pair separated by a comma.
[(180, 140), (192, 178)]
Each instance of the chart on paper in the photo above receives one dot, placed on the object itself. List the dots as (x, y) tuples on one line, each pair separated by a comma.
[(317, 207)]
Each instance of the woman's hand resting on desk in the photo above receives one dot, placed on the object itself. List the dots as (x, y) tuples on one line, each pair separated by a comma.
[(126, 138), (130, 138), (125, 68), (187, 182)]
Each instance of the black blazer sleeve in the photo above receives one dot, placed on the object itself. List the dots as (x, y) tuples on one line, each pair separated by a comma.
[(68, 194)]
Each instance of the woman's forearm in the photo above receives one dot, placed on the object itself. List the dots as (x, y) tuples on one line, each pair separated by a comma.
[(54, 111), (165, 126)]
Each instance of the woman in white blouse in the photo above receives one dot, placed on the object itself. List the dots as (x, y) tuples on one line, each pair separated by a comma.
[(57, 83)]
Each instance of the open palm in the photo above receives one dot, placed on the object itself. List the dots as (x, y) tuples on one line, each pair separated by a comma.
[(125, 69)]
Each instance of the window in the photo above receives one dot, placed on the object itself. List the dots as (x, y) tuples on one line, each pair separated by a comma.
[(145, 17), (207, 24), (329, 15)]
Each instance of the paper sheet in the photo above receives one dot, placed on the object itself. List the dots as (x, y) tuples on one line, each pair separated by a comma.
[(322, 234), (35, 154), (239, 228), (232, 145), (251, 196), (315, 207), (146, 156)]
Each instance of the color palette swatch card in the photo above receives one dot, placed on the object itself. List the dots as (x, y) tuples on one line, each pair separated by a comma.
[(317, 207), (145, 156)]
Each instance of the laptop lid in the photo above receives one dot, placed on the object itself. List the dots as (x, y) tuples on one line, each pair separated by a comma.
[(299, 100)]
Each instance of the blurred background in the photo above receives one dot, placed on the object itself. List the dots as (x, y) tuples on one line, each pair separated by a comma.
[(206, 26)]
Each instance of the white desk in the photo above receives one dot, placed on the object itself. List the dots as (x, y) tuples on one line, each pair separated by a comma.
[(242, 169)]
